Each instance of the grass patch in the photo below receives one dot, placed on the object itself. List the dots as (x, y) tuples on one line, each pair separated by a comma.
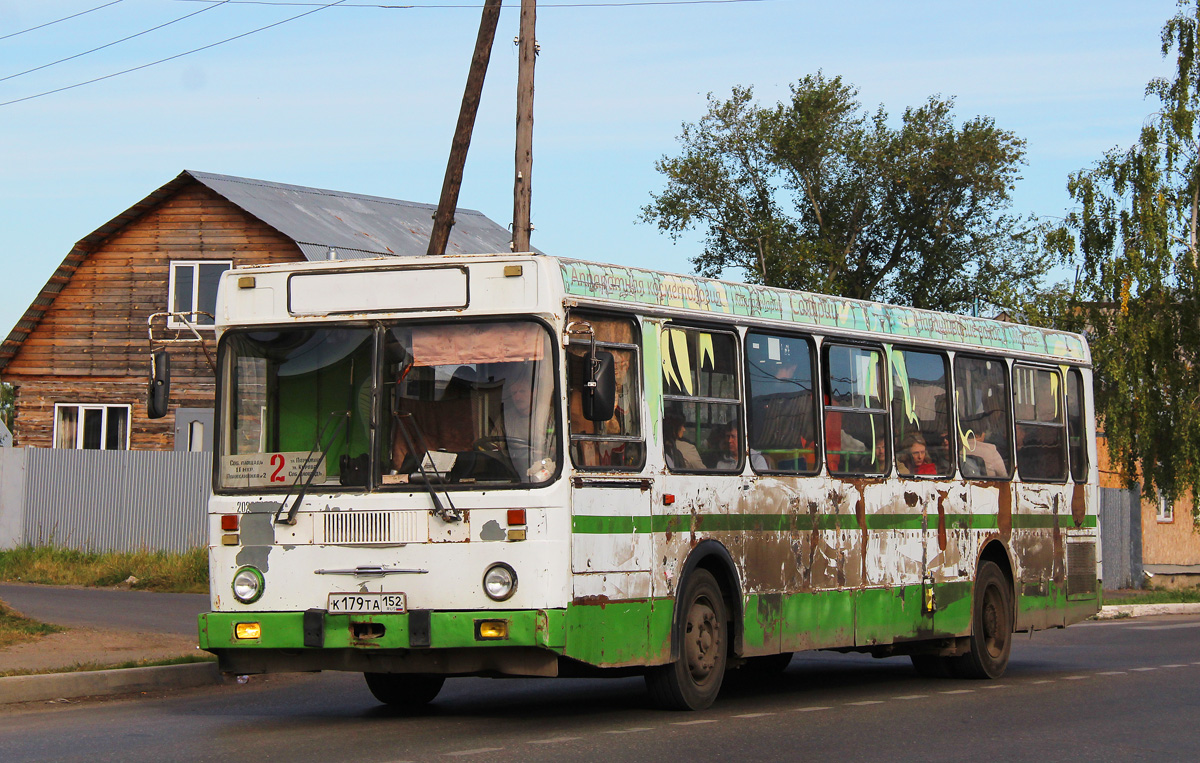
[(85, 666), (1154, 595), (154, 570), (18, 629)]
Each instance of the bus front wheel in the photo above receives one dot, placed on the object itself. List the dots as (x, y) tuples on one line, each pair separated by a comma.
[(701, 631), (407, 691), (991, 626)]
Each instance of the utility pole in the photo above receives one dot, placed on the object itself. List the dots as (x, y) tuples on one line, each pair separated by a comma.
[(527, 54), (443, 220)]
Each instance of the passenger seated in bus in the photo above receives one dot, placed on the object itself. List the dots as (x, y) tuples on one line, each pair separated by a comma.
[(724, 447), (840, 443), (880, 463), (914, 457), (976, 445), (679, 451)]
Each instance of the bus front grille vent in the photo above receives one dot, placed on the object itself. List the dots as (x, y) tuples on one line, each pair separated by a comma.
[(370, 527), (1081, 568)]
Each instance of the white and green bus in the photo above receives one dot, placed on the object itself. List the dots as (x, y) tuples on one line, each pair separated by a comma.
[(521, 465)]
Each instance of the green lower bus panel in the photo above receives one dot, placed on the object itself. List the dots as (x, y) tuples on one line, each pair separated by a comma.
[(620, 633)]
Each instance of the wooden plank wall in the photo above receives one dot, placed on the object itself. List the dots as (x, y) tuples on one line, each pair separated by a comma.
[(91, 346)]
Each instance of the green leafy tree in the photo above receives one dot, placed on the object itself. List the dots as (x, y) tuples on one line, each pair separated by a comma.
[(1134, 229), (816, 193), (6, 404)]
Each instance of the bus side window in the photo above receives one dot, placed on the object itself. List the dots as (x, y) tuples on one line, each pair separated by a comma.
[(701, 400), (1041, 426), (856, 432), (921, 413), (782, 414), (1076, 431), (616, 444), (984, 420)]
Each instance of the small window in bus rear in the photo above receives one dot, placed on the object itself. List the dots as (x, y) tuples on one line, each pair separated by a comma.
[(1076, 428)]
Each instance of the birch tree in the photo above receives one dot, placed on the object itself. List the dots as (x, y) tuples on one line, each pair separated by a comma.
[(1134, 229)]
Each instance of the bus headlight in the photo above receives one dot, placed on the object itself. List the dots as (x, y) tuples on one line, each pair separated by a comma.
[(248, 585), (499, 582)]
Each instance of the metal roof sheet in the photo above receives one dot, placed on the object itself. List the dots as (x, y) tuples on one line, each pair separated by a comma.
[(353, 224)]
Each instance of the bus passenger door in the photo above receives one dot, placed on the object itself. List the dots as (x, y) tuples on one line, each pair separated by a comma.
[(611, 548)]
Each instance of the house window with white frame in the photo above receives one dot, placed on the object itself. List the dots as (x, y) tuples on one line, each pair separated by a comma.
[(1166, 509), (86, 426), (193, 288)]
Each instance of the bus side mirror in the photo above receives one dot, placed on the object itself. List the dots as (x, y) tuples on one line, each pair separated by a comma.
[(600, 394), (159, 393)]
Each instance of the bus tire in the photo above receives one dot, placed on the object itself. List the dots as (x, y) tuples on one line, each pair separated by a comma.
[(406, 691), (991, 626), (693, 681)]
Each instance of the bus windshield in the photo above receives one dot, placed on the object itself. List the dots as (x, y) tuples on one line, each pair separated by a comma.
[(468, 403), (464, 404)]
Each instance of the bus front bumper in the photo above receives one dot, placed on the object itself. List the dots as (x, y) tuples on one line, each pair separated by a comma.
[(509, 642)]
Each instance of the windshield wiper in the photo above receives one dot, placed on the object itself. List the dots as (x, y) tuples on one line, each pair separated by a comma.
[(446, 515), (312, 472)]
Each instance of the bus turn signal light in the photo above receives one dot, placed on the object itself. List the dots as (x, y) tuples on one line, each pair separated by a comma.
[(489, 630), (247, 630)]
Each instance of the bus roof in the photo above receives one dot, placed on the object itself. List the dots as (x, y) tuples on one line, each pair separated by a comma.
[(670, 292)]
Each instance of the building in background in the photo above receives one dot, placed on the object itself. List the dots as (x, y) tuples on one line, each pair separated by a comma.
[(79, 357)]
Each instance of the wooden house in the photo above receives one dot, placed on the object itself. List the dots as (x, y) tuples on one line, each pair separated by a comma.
[(79, 357)]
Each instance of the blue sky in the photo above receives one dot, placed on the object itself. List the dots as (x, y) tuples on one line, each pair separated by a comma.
[(364, 99)]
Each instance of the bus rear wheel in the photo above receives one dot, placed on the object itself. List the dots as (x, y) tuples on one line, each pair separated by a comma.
[(405, 691), (693, 681), (991, 626)]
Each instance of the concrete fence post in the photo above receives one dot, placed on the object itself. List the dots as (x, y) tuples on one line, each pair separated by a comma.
[(12, 497)]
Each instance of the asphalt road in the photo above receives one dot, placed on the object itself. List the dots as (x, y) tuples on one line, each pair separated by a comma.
[(114, 609), (1117, 690)]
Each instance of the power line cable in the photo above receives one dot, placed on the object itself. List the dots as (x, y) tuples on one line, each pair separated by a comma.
[(64, 18), (172, 58), (115, 42), (477, 6)]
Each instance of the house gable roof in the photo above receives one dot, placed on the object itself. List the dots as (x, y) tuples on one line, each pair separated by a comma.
[(353, 224), (317, 220)]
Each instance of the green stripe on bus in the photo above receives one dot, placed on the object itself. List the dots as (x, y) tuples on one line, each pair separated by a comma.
[(589, 524)]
